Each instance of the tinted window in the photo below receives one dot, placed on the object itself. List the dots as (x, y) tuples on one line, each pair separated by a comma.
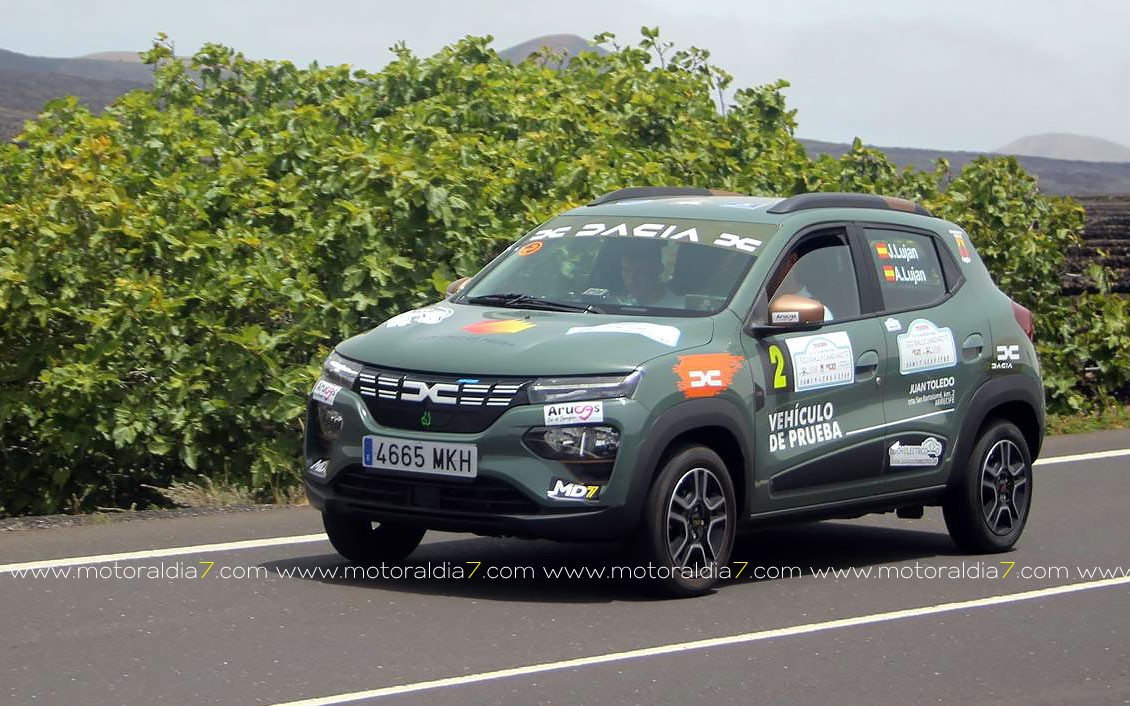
[(820, 267), (910, 275)]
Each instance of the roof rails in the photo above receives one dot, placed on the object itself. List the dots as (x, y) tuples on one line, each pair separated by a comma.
[(653, 192), (804, 202)]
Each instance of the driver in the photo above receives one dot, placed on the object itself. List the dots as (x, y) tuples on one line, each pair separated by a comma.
[(640, 269)]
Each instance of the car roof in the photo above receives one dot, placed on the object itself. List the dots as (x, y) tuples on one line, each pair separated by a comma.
[(759, 209)]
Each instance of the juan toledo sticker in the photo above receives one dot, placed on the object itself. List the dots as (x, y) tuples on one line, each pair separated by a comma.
[(823, 360)]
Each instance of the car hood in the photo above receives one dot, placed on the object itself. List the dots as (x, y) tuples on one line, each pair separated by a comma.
[(483, 340)]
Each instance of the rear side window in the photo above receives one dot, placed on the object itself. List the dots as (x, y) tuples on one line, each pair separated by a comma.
[(910, 274)]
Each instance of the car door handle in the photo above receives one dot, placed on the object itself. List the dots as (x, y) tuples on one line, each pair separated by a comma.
[(971, 348), (866, 365)]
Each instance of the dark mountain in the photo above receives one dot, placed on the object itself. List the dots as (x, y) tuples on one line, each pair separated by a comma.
[(1057, 176), (570, 44)]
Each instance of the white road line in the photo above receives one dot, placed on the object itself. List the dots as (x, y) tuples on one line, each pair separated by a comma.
[(680, 647), (159, 553), (1113, 453), (307, 538)]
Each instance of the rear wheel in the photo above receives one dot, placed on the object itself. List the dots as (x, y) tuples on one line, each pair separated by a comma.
[(988, 511), (369, 543), (687, 532)]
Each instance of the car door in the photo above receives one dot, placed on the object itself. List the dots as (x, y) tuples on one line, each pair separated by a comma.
[(936, 343), (819, 417)]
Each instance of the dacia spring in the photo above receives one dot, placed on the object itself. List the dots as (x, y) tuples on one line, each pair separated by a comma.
[(667, 367)]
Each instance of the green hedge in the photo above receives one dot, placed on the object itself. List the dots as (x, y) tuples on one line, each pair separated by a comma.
[(173, 271)]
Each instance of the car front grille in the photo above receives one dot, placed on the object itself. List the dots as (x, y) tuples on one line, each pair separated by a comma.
[(482, 496), (401, 399)]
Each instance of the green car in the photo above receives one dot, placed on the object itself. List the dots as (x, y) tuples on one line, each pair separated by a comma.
[(670, 366)]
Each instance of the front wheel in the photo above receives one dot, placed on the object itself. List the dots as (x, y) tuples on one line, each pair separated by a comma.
[(689, 522), (987, 512), (364, 542)]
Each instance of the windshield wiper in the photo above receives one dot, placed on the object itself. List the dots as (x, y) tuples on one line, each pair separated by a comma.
[(516, 300)]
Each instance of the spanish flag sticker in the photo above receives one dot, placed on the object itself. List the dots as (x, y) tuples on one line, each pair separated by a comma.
[(882, 251), (889, 273)]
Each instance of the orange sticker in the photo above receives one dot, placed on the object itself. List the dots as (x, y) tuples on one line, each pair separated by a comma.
[(501, 326), (706, 374), (530, 248)]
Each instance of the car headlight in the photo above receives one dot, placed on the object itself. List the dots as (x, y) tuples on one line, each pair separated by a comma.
[(340, 370), (603, 387)]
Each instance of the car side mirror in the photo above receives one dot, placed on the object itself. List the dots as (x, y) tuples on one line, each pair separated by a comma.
[(792, 312), (454, 287)]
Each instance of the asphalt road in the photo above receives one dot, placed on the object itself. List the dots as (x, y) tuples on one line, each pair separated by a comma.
[(937, 627)]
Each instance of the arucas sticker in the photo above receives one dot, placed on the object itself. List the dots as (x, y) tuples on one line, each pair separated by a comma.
[(574, 413)]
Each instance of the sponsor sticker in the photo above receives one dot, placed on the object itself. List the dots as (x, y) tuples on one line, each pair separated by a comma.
[(568, 490), (938, 391), (924, 346), (573, 413), (706, 374), (962, 248), (786, 317), (325, 392), (928, 454), (489, 326), (801, 426), (530, 248), (820, 361), (428, 315), (667, 335), (893, 324), (318, 468), (656, 231), (1006, 357)]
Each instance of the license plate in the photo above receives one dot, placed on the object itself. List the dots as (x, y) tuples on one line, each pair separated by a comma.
[(458, 460)]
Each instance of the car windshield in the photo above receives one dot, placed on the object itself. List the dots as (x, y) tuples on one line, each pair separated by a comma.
[(603, 264)]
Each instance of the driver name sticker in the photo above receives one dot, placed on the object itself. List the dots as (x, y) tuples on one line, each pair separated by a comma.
[(924, 346), (667, 335), (823, 360), (428, 315)]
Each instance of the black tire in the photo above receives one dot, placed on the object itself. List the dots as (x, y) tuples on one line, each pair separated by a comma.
[(356, 539), (690, 568), (987, 511)]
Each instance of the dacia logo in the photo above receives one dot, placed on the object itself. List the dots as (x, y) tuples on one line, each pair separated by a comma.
[(440, 393), (567, 490)]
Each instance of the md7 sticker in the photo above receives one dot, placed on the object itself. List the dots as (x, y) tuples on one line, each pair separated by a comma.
[(924, 346), (568, 490), (573, 413), (820, 361), (325, 392), (706, 374)]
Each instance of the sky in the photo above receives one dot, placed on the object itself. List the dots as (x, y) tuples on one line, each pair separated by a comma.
[(947, 74)]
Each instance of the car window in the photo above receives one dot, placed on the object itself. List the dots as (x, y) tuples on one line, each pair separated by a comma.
[(820, 267), (910, 274), (634, 266)]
